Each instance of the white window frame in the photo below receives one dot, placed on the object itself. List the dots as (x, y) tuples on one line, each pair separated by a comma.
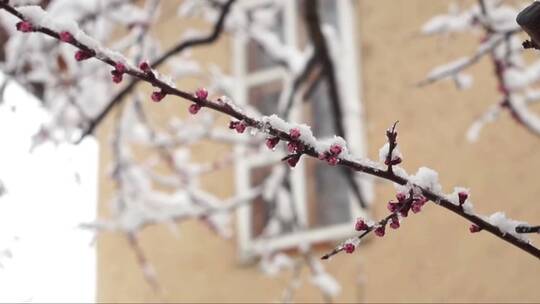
[(349, 81)]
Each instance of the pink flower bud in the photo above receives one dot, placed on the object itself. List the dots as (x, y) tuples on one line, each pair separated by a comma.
[(120, 67), (240, 127), (394, 222), (401, 196), (293, 160), (462, 197), (474, 228), (322, 156), (24, 26), (158, 96), (294, 133), (379, 231), (116, 77), (272, 142), (392, 207), (295, 147), (194, 108), (332, 160), (144, 66), (421, 200), (335, 149), (349, 248), (83, 55), (66, 36), (360, 225), (201, 94), (416, 207)]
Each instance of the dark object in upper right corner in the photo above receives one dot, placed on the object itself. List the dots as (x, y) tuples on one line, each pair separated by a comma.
[(529, 20)]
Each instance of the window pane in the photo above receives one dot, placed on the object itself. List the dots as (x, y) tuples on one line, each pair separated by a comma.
[(265, 97), (258, 57), (263, 211), (327, 187)]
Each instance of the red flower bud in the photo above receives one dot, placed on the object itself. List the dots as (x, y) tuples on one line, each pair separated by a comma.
[(392, 206), (416, 207), (194, 108), (332, 160), (462, 197), (293, 160), (158, 96), (379, 231), (201, 94), (401, 196), (83, 55), (24, 26), (360, 225), (349, 248), (120, 67), (335, 149), (294, 133), (66, 36), (240, 127), (144, 66), (272, 142), (394, 225), (295, 147), (116, 77), (474, 228)]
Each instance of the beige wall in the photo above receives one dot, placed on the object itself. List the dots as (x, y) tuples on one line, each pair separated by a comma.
[(432, 257)]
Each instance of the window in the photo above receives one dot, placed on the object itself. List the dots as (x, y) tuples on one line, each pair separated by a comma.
[(324, 200)]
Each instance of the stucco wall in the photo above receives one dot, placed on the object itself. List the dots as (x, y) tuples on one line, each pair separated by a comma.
[(432, 257)]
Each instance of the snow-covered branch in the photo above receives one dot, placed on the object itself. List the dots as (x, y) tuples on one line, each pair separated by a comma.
[(299, 139), (515, 78)]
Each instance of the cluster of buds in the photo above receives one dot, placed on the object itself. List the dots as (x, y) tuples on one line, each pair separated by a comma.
[(403, 205), (239, 126), (81, 55), (331, 156), (118, 72), (295, 146), (361, 225), (201, 95), (66, 37), (157, 96), (24, 26)]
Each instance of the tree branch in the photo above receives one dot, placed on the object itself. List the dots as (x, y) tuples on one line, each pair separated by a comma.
[(180, 47), (310, 146)]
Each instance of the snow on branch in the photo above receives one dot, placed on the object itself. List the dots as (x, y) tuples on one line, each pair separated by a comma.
[(415, 190)]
